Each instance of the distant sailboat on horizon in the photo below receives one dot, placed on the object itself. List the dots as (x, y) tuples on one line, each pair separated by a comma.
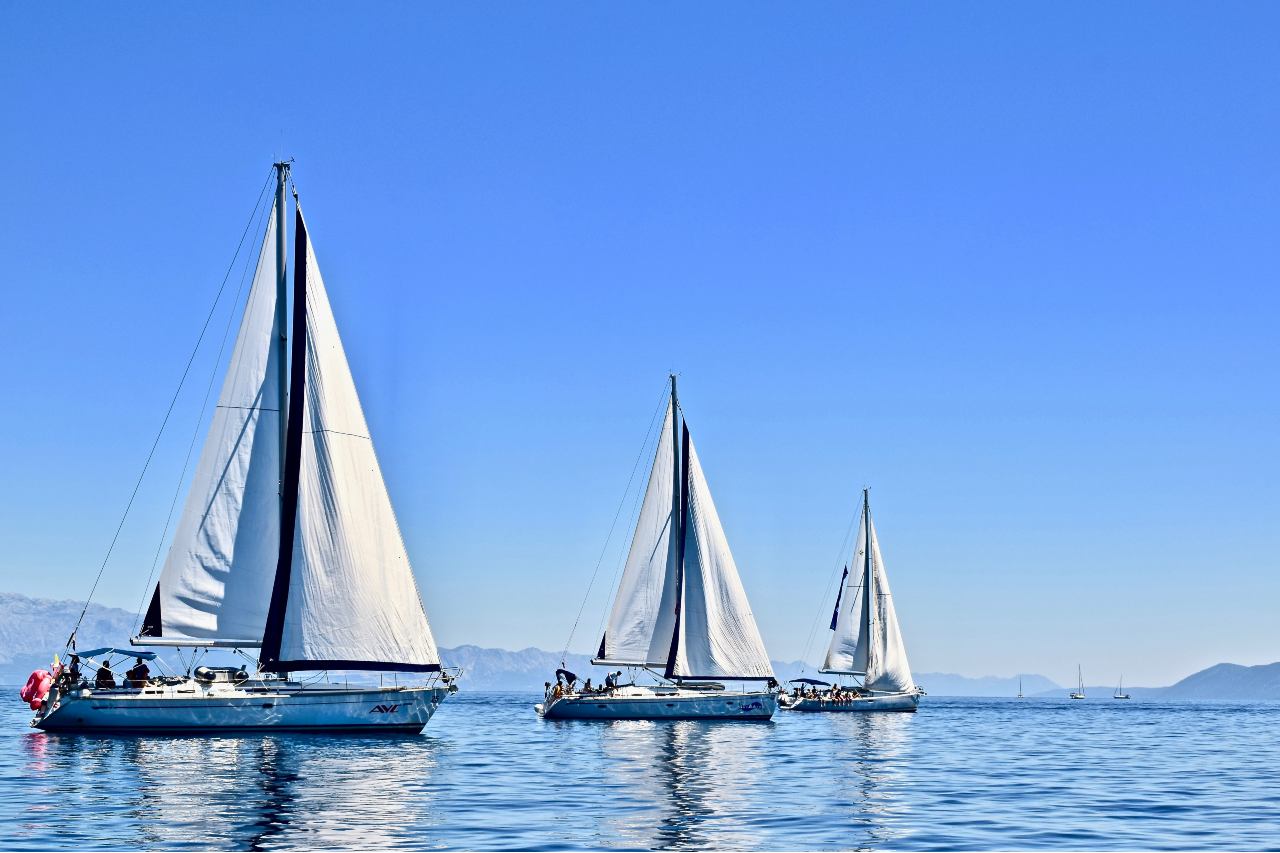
[(1020, 696), (1120, 694), (1079, 692)]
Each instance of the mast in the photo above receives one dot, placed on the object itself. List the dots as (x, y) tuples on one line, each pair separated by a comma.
[(675, 458), (679, 494), (282, 315), (868, 586)]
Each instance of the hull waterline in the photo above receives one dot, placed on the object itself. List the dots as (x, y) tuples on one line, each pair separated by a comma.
[(646, 705), (907, 702), (398, 710)]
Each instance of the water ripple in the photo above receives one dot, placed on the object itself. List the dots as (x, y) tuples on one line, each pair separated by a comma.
[(488, 774)]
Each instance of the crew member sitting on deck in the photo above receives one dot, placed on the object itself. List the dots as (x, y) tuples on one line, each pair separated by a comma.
[(105, 679), (137, 677)]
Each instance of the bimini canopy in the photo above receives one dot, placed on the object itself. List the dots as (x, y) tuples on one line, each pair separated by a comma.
[(133, 653)]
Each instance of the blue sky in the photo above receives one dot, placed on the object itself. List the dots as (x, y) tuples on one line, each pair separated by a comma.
[(1012, 266)]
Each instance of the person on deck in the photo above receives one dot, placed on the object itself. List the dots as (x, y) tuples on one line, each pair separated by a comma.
[(105, 679), (138, 676), (73, 671)]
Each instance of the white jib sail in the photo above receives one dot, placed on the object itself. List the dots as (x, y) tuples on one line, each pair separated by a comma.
[(352, 594), (847, 653), (889, 669), (718, 633), (643, 615), (217, 577)]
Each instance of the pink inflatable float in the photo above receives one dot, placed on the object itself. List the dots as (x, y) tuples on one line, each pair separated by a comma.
[(37, 688)]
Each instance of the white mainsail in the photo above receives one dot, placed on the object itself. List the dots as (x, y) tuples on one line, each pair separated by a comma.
[(352, 599), (867, 640), (643, 615), (718, 637), (217, 577)]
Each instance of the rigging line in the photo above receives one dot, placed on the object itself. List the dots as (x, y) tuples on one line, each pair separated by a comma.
[(819, 610), (204, 405), (169, 411), (635, 511), (617, 513)]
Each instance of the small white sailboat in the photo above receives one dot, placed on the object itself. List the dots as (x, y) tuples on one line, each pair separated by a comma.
[(1079, 691), (680, 612), (867, 642), (1120, 694), (1020, 696), (287, 545)]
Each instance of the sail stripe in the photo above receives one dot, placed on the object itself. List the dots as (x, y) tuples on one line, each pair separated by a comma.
[(835, 614), (274, 633)]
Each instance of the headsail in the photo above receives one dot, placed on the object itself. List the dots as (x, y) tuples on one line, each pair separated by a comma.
[(643, 615), (217, 576), (716, 633), (847, 652), (345, 596)]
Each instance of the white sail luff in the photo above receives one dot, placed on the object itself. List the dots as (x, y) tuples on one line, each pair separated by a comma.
[(352, 593), (217, 576), (643, 616), (718, 636)]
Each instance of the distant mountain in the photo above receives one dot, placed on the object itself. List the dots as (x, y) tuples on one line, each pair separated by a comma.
[(31, 629), (944, 684), (1229, 681)]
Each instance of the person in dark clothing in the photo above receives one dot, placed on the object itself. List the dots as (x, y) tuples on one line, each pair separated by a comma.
[(105, 679), (137, 677), (73, 670)]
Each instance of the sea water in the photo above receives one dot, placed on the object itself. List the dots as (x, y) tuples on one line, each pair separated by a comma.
[(487, 773)]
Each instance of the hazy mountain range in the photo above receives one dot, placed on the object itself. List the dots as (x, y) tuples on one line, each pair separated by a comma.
[(32, 628)]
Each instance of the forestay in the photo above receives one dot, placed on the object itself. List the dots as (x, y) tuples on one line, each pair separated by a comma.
[(643, 615), (217, 576), (351, 597)]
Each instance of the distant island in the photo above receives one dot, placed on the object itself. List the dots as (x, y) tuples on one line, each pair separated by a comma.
[(31, 628)]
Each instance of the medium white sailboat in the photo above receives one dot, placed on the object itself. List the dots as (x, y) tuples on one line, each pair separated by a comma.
[(867, 642), (680, 611), (288, 544), (1079, 691), (1120, 694)]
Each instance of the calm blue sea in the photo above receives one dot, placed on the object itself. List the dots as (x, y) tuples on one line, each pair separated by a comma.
[(489, 774)]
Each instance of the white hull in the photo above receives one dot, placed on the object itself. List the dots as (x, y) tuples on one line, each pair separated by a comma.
[(640, 703), (193, 708), (881, 702)]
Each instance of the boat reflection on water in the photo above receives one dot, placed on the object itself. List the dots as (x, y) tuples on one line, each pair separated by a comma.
[(239, 793), (871, 787), (692, 783)]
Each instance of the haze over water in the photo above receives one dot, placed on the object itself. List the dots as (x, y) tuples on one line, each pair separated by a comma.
[(488, 774)]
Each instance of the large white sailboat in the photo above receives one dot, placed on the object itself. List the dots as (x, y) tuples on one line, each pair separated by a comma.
[(866, 642), (680, 611), (287, 545)]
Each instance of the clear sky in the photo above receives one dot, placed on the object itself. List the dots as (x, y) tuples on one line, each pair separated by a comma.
[(1013, 266)]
